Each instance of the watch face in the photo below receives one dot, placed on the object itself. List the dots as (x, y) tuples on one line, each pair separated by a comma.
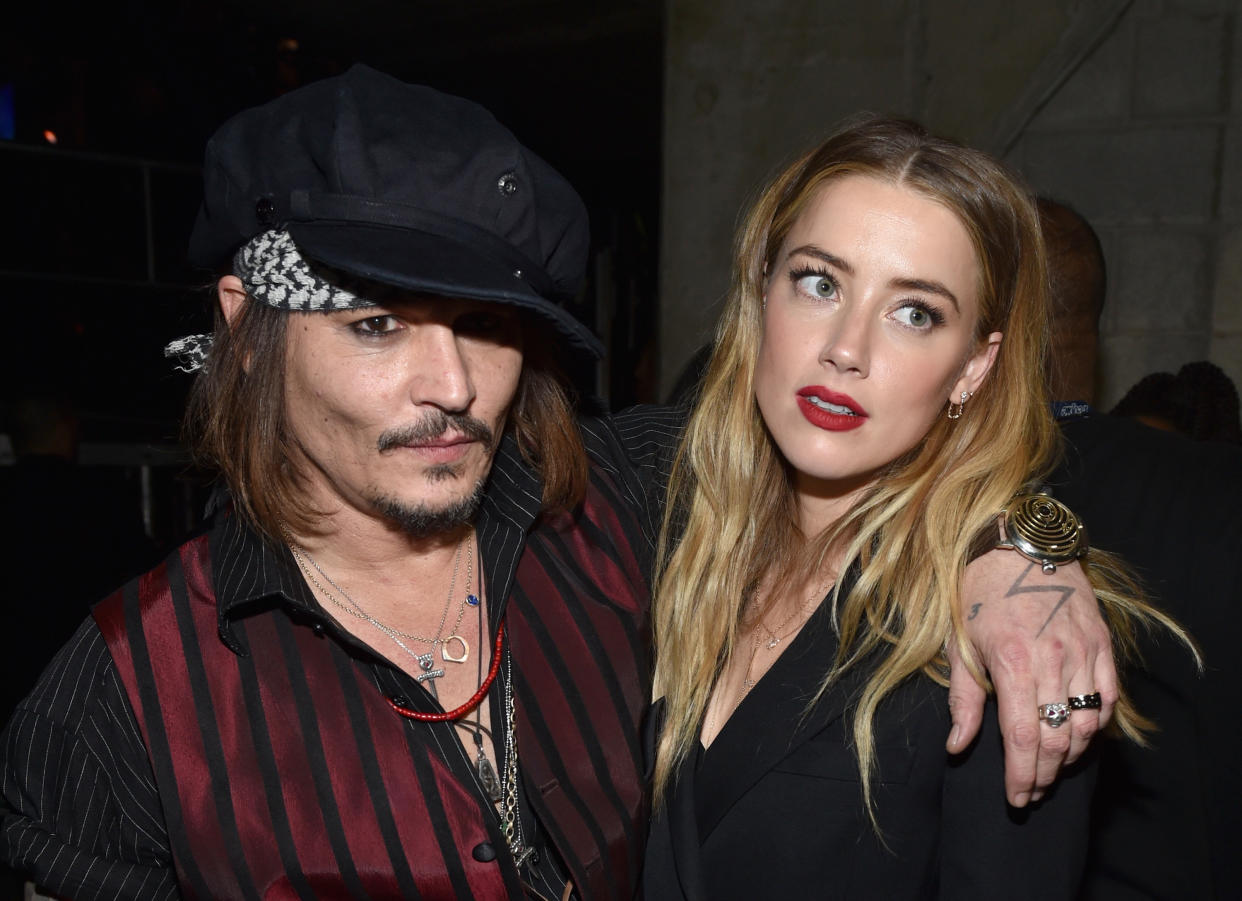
[(1042, 527)]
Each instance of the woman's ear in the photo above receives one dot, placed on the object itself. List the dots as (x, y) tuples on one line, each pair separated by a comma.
[(232, 297), (977, 367)]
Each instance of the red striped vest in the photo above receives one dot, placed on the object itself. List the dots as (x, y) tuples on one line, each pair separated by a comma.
[(284, 773)]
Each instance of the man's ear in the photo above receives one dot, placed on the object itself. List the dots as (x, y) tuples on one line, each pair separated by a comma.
[(232, 297)]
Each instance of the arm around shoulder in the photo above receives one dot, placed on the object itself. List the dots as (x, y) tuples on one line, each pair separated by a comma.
[(636, 446), (1042, 638)]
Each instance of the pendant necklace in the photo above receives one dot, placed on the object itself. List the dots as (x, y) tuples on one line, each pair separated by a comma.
[(774, 638), (483, 766), (453, 649), (500, 790), (472, 702)]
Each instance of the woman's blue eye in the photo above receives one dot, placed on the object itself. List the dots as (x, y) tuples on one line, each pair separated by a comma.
[(918, 316), (817, 284)]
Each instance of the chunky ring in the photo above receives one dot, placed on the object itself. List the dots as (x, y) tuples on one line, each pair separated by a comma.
[(1054, 714), (1086, 702)]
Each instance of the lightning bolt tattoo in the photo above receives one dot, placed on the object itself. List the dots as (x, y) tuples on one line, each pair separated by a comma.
[(1019, 588)]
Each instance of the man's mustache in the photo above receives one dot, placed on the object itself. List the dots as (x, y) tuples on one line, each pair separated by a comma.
[(433, 426)]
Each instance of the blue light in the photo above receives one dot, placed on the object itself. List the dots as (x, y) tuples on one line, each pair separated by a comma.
[(8, 119)]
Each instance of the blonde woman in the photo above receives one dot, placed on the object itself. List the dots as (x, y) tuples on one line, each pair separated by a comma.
[(873, 399)]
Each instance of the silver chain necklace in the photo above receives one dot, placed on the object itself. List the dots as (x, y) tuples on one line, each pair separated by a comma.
[(510, 819), (510, 816), (426, 661)]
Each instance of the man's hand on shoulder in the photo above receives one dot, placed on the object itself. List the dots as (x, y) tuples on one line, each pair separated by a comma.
[(1042, 640)]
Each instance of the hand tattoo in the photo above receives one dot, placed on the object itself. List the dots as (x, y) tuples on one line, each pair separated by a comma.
[(1018, 588), (974, 610)]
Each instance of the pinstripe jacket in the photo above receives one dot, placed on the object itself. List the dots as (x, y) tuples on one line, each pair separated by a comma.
[(213, 734)]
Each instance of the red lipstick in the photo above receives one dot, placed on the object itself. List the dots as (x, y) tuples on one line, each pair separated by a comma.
[(814, 401)]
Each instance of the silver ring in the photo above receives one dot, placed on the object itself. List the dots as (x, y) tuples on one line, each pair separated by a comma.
[(1054, 714), (1086, 702)]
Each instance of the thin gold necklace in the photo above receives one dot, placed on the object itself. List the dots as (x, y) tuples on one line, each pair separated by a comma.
[(774, 639)]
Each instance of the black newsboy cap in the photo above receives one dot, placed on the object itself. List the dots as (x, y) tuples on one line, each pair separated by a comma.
[(403, 185)]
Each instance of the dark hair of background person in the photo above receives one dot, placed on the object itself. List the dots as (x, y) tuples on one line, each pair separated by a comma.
[(1200, 402), (1077, 283)]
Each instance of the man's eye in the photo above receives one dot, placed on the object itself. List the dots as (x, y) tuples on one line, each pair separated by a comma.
[(375, 325)]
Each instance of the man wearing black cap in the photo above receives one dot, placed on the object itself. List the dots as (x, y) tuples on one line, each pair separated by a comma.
[(408, 659)]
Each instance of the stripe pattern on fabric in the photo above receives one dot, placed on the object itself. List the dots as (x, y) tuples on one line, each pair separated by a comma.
[(224, 729)]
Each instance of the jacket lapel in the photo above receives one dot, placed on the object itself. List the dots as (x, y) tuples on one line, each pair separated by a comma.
[(684, 833), (772, 721), (672, 865)]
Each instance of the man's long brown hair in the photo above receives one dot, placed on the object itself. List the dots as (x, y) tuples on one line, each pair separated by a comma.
[(236, 422)]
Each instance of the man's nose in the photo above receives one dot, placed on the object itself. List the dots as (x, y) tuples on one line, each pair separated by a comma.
[(439, 373)]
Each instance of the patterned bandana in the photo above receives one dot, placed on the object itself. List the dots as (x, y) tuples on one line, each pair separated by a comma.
[(275, 272)]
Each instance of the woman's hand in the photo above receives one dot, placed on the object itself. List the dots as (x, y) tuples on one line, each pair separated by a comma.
[(1042, 640)]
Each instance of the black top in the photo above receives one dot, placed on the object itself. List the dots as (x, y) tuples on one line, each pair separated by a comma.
[(773, 808), (1166, 822)]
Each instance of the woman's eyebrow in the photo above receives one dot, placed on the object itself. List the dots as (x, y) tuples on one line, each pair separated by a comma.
[(812, 250), (927, 286)]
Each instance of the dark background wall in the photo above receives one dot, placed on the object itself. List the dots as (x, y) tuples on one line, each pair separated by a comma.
[(92, 276), (1129, 110)]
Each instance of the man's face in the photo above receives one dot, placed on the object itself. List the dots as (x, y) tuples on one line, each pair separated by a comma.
[(397, 409)]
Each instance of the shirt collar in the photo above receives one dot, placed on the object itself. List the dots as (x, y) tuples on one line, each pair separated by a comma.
[(251, 573), (514, 492)]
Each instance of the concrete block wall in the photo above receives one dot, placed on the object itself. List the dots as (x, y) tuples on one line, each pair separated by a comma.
[(1136, 121), (1143, 138), (748, 86)]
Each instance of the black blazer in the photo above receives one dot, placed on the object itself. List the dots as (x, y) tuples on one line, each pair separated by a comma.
[(1166, 822), (773, 809)]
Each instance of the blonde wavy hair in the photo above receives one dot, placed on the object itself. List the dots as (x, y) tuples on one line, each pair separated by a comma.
[(731, 524)]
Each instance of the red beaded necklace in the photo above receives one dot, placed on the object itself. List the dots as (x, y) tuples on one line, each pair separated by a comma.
[(458, 712)]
